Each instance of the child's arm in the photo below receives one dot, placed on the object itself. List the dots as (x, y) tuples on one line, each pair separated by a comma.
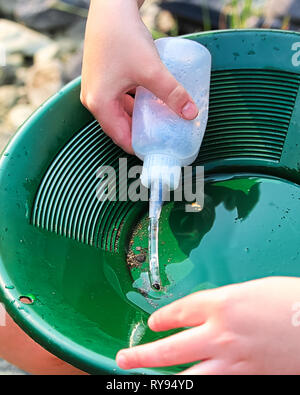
[(120, 55), (250, 328), (19, 349)]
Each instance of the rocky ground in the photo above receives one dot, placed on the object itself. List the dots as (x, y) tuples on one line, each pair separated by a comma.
[(41, 44), (35, 65), (7, 369)]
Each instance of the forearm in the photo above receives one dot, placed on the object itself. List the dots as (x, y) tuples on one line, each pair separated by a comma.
[(19, 349)]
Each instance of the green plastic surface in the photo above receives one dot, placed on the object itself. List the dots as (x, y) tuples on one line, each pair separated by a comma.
[(66, 250)]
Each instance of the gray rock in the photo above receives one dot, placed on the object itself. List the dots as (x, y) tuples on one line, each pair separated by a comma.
[(21, 75), (150, 13), (15, 60), (43, 80), (19, 114), (165, 22), (5, 367), (76, 31), (7, 75), (15, 38), (50, 15), (7, 7), (73, 67), (63, 49), (47, 54), (9, 95), (78, 3)]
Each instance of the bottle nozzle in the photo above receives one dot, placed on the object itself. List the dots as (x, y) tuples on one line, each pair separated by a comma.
[(161, 173), (156, 203)]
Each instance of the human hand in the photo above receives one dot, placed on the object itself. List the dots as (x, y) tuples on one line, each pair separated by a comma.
[(22, 351), (120, 55), (249, 328)]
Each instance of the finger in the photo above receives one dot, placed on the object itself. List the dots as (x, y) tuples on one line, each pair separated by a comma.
[(170, 91), (188, 346), (116, 123), (192, 310), (205, 368), (128, 104)]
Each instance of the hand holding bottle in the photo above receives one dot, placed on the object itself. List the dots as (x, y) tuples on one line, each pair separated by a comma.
[(120, 55)]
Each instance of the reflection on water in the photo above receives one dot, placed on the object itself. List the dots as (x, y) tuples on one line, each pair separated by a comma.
[(189, 229)]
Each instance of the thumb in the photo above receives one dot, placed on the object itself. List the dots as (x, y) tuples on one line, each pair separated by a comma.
[(163, 85)]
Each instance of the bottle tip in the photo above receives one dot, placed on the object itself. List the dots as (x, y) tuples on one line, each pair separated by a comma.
[(156, 286)]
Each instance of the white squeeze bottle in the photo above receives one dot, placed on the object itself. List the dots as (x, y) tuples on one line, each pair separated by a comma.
[(162, 139)]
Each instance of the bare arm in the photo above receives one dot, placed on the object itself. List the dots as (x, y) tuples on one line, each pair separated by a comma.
[(120, 55), (19, 349)]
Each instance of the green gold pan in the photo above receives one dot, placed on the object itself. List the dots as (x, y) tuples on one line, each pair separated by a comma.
[(83, 262)]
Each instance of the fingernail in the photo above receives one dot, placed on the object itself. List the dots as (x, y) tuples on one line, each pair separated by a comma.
[(150, 321), (122, 361), (190, 110)]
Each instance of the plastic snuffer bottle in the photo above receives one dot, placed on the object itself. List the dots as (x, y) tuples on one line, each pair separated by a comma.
[(162, 139)]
